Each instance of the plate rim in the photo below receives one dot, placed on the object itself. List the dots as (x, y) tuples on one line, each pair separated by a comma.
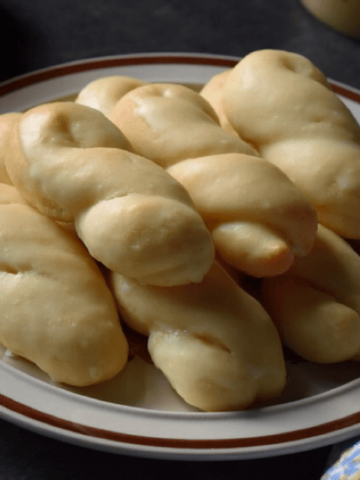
[(109, 61), (155, 58), (176, 450)]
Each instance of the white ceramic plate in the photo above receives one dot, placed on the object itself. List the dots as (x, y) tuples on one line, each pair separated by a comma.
[(138, 413)]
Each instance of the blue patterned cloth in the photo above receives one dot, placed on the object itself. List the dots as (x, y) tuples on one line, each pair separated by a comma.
[(344, 461)]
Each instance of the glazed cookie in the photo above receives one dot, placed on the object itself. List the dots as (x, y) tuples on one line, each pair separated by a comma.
[(169, 123), (316, 304), (104, 93), (73, 164), (259, 220), (212, 92), (215, 343), (280, 102), (179, 130), (7, 122), (56, 309)]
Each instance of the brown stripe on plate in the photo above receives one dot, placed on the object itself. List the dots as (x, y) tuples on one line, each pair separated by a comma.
[(350, 94), (198, 444), (108, 62)]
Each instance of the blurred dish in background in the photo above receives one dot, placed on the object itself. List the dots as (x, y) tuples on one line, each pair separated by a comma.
[(342, 15)]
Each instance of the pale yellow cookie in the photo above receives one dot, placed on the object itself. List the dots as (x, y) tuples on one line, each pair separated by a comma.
[(104, 93), (259, 220), (280, 102), (71, 163), (169, 123), (9, 194), (178, 129), (316, 304), (215, 343), (212, 92), (56, 309), (7, 122)]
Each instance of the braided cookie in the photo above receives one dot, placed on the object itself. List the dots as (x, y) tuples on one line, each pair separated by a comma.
[(9, 195), (56, 309), (178, 127), (215, 343), (281, 103), (258, 218), (316, 304), (169, 123), (70, 162), (212, 92), (103, 93), (7, 122)]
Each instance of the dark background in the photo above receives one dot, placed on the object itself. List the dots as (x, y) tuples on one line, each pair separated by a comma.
[(41, 33)]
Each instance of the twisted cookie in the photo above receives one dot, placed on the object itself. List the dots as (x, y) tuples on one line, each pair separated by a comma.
[(214, 342), (258, 219), (9, 195), (316, 304), (212, 92), (104, 93), (169, 123), (7, 122), (281, 103), (71, 163), (56, 309)]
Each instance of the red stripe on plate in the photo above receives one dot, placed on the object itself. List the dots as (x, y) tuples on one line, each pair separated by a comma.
[(109, 62), (287, 437), (68, 69), (355, 96)]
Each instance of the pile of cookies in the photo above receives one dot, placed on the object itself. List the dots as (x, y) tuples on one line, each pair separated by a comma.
[(151, 204)]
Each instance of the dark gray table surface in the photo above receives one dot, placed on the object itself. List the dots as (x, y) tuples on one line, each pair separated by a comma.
[(43, 33)]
